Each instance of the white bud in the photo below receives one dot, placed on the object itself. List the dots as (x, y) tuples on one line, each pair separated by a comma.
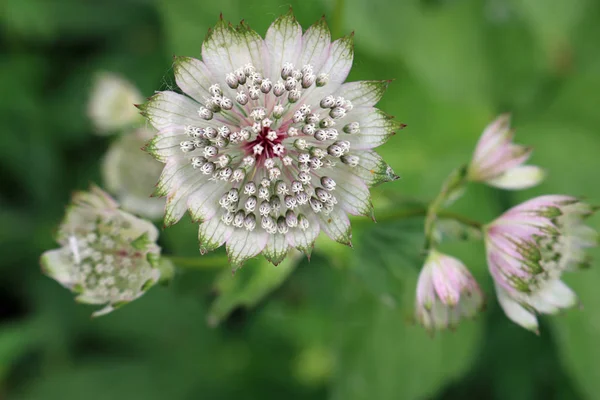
[(322, 79), (231, 80), (294, 95), (205, 113), (278, 89), (266, 86), (327, 102), (241, 97)]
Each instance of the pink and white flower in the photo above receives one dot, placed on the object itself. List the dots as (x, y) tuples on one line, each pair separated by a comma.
[(267, 146), (528, 249), (107, 256), (446, 292), (498, 162)]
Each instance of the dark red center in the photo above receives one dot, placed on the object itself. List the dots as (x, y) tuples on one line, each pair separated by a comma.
[(266, 143)]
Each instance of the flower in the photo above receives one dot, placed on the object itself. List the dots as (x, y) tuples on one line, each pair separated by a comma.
[(268, 146), (498, 162), (111, 105), (528, 249), (446, 292), (131, 174), (107, 256)]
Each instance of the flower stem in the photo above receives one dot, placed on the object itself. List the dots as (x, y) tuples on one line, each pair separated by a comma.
[(207, 263)]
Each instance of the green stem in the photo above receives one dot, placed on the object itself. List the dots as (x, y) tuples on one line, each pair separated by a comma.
[(211, 262)]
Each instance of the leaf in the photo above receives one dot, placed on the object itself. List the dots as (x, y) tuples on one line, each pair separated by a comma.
[(248, 285)]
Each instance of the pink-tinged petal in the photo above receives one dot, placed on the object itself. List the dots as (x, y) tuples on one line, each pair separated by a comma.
[(502, 160), (515, 311), (284, 42), (495, 135), (316, 42), (212, 234), (542, 202), (243, 245), (425, 290)]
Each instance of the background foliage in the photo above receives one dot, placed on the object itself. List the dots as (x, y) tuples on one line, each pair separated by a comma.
[(340, 326)]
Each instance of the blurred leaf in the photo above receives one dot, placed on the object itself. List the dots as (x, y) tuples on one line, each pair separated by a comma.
[(248, 285), (15, 340)]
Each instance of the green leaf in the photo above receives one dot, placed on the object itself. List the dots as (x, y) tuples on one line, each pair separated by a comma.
[(248, 285)]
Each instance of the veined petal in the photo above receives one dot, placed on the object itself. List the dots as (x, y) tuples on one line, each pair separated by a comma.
[(169, 108), (495, 135), (284, 41), (213, 234), (276, 249), (336, 225), (353, 194), (203, 203), (372, 169), (516, 312), (315, 45), (376, 127), (243, 245), (555, 295), (339, 61), (520, 177), (363, 93), (171, 175), (179, 197), (304, 240), (166, 144), (193, 77)]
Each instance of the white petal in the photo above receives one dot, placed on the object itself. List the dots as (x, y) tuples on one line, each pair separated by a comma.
[(315, 45), (181, 193), (352, 193), (372, 169), (147, 207), (557, 294), (172, 174), (243, 244), (336, 225), (276, 248), (163, 146), (515, 311), (363, 93), (213, 234), (193, 77), (227, 49), (304, 240), (165, 109), (376, 127), (521, 177), (203, 202), (284, 41), (339, 61), (58, 267)]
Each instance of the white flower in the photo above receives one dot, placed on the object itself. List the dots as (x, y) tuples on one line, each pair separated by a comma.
[(497, 161), (268, 138), (528, 249), (107, 256), (131, 174), (446, 292), (112, 103)]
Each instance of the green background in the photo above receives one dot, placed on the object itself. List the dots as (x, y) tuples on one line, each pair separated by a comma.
[(340, 326)]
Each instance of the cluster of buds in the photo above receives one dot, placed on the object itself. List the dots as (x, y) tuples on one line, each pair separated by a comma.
[(107, 256), (528, 248)]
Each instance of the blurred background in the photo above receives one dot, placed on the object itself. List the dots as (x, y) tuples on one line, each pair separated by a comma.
[(339, 327)]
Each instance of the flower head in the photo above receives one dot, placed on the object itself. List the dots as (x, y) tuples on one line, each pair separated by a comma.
[(446, 292), (111, 105), (497, 161), (131, 174), (528, 249), (107, 256), (268, 146)]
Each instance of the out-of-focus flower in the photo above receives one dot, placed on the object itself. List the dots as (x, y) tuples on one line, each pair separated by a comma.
[(528, 249), (112, 103), (107, 257), (497, 161), (446, 292), (131, 174), (269, 146)]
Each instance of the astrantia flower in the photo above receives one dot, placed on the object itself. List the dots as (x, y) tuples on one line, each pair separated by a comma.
[(267, 146), (111, 105), (131, 174), (446, 292), (528, 249), (497, 161), (107, 256)]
